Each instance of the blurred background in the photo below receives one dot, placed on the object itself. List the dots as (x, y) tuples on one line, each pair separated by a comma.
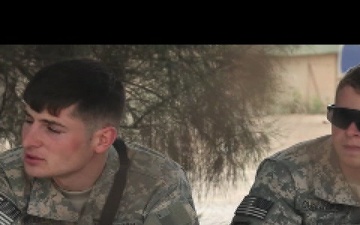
[(217, 110)]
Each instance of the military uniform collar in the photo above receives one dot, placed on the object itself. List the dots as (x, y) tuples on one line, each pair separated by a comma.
[(103, 185), (329, 183), (48, 202)]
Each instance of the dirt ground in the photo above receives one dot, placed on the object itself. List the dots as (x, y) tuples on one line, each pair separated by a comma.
[(218, 209), (299, 127)]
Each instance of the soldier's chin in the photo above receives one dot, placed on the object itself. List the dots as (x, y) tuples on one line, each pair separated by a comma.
[(35, 172)]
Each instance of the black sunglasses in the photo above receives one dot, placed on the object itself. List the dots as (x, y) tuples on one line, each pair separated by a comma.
[(343, 117)]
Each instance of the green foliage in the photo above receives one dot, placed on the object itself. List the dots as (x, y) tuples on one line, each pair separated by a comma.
[(316, 106), (200, 104), (292, 103), (295, 103)]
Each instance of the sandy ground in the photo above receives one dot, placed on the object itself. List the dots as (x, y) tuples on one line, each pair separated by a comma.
[(218, 209)]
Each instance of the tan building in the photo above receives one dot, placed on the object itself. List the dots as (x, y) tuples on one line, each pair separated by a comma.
[(311, 74)]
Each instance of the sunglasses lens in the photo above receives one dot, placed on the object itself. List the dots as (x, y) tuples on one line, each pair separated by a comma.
[(343, 117), (339, 118)]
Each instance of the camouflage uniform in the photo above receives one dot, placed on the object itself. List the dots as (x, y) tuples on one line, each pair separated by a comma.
[(301, 185), (157, 192)]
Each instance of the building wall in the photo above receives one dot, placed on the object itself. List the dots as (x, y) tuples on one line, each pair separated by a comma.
[(313, 78)]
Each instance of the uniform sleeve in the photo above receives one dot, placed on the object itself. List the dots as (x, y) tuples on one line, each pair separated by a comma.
[(271, 198), (9, 212), (173, 204)]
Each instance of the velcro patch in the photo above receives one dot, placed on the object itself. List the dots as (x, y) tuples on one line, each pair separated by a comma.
[(176, 213), (254, 206), (310, 204), (8, 211)]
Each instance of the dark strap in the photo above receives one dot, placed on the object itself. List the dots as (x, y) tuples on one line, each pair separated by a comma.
[(113, 200)]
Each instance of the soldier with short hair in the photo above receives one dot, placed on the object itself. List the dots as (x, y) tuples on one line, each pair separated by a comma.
[(72, 168), (315, 181)]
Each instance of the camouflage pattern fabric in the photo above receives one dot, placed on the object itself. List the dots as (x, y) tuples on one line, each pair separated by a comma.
[(301, 185), (157, 193)]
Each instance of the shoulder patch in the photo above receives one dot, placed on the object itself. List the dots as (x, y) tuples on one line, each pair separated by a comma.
[(8, 211), (254, 206)]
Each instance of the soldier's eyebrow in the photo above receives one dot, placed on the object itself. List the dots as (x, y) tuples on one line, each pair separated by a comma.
[(47, 121)]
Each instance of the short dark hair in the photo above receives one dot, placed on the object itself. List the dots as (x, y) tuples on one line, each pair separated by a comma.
[(98, 95), (351, 78)]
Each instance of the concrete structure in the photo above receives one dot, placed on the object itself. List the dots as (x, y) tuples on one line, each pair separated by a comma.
[(311, 73)]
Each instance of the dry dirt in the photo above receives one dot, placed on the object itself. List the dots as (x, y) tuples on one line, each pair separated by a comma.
[(218, 209)]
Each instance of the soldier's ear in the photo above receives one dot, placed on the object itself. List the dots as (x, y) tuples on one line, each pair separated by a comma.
[(104, 138)]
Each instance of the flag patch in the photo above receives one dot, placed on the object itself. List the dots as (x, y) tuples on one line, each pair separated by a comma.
[(254, 206), (8, 211)]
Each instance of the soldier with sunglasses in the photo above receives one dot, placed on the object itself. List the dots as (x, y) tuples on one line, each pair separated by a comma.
[(316, 181)]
